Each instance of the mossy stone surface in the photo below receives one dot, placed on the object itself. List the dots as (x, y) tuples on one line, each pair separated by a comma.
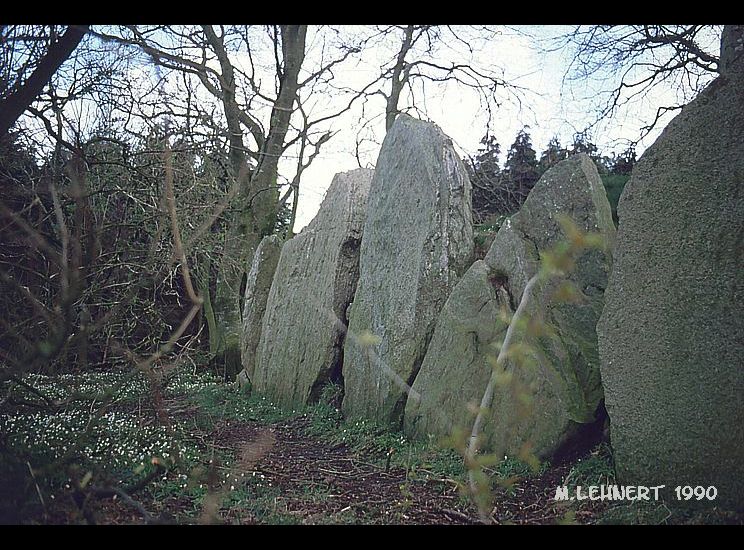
[(545, 402), (672, 331), (304, 325), (418, 241), (258, 285)]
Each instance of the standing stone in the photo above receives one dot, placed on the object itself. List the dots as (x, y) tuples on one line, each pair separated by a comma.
[(418, 240), (258, 285), (672, 332), (303, 330), (548, 404), (732, 49)]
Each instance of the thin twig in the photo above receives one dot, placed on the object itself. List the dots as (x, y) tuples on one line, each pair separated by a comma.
[(473, 442), (36, 484)]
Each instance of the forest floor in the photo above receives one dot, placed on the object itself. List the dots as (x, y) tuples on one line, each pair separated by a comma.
[(209, 454), (281, 473)]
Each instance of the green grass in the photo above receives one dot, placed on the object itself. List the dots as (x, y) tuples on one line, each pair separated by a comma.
[(596, 469), (119, 448), (381, 445), (260, 503), (222, 401), (113, 439), (120, 445), (45, 453)]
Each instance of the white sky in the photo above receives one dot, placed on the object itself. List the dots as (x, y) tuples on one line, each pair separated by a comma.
[(550, 109)]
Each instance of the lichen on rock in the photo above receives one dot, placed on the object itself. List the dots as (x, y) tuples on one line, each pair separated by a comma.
[(544, 406), (304, 327), (418, 240)]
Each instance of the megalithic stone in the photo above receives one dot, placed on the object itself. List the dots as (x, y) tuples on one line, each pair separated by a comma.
[(672, 332), (258, 285), (546, 406), (304, 326), (418, 240)]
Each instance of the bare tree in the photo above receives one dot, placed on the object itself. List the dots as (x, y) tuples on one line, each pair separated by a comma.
[(263, 123), (255, 89), (438, 55), (631, 61), (35, 50)]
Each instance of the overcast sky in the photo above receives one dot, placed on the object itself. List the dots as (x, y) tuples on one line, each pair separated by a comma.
[(548, 104), (551, 107)]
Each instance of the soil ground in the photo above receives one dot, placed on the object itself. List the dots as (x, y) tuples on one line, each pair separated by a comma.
[(313, 482), (255, 470)]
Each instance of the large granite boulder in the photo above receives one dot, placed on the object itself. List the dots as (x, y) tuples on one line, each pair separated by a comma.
[(257, 287), (672, 333), (418, 240), (304, 325), (546, 405)]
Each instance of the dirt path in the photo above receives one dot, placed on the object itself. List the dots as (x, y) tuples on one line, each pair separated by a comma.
[(317, 483), (255, 472)]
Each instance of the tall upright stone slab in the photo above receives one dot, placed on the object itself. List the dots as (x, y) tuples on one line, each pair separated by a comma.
[(672, 333), (547, 405), (418, 240), (257, 287), (304, 325)]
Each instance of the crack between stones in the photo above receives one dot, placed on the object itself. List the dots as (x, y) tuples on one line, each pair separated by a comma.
[(334, 373), (400, 406)]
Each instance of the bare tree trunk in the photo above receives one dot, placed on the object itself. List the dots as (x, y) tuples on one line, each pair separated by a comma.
[(255, 212), (398, 79), (17, 102), (293, 216)]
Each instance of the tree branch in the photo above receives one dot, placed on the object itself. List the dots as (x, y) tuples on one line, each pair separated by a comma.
[(13, 106)]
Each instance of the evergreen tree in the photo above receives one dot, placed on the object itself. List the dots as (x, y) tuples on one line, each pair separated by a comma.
[(622, 165), (521, 168), (552, 155), (485, 176), (583, 144), (487, 159)]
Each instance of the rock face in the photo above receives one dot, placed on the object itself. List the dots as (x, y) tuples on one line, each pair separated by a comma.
[(303, 329), (258, 285), (418, 240), (732, 49), (672, 330), (546, 405)]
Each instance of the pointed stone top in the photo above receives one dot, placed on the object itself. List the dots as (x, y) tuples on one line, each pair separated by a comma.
[(409, 125), (347, 188)]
